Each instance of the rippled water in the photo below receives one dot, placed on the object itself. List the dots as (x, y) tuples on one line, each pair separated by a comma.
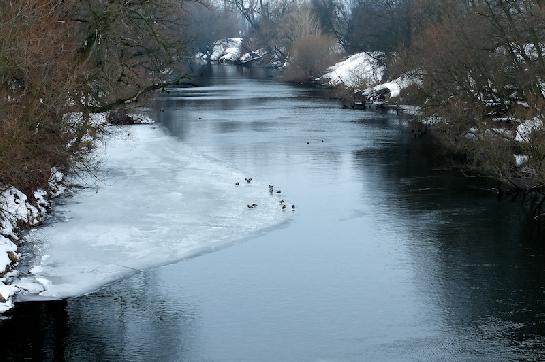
[(388, 256)]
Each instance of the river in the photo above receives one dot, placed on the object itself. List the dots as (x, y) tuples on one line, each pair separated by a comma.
[(387, 256)]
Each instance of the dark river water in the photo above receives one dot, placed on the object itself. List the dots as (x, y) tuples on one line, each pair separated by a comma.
[(387, 257)]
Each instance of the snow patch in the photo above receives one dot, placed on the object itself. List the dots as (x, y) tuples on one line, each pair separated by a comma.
[(526, 128), (361, 69), (6, 293), (520, 160), (6, 246), (253, 56), (95, 119), (56, 185), (395, 86), (29, 285), (15, 210), (141, 118), (227, 50)]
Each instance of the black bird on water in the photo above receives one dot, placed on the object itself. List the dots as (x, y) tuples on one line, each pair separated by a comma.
[(237, 184)]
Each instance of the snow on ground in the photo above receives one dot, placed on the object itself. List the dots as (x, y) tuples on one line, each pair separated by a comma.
[(253, 56), (16, 209), (359, 70), (141, 118), (525, 129), (6, 246), (160, 202), (520, 160), (6, 293), (95, 119), (227, 50), (395, 86)]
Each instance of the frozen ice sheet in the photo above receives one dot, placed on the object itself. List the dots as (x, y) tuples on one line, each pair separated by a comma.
[(159, 202)]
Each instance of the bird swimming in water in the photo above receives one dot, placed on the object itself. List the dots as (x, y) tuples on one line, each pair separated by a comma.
[(252, 206), (278, 192), (293, 207), (283, 207), (308, 143), (237, 184)]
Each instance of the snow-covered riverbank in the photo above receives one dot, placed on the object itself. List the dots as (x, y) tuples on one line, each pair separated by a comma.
[(157, 202), (365, 75), (18, 212)]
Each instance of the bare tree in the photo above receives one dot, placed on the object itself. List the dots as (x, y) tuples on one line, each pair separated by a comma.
[(129, 47), (38, 74), (58, 57), (379, 25)]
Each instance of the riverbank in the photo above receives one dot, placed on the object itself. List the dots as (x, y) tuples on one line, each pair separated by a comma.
[(19, 214), (22, 214)]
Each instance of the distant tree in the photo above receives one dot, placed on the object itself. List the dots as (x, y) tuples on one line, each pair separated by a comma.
[(206, 23), (310, 55), (379, 25), (299, 23), (129, 47), (334, 17)]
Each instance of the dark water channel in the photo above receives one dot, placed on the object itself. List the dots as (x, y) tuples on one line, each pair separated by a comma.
[(388, 256)]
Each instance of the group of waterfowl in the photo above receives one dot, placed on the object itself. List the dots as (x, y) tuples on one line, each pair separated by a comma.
[(308, 142), (282, 203), (284, 206)]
